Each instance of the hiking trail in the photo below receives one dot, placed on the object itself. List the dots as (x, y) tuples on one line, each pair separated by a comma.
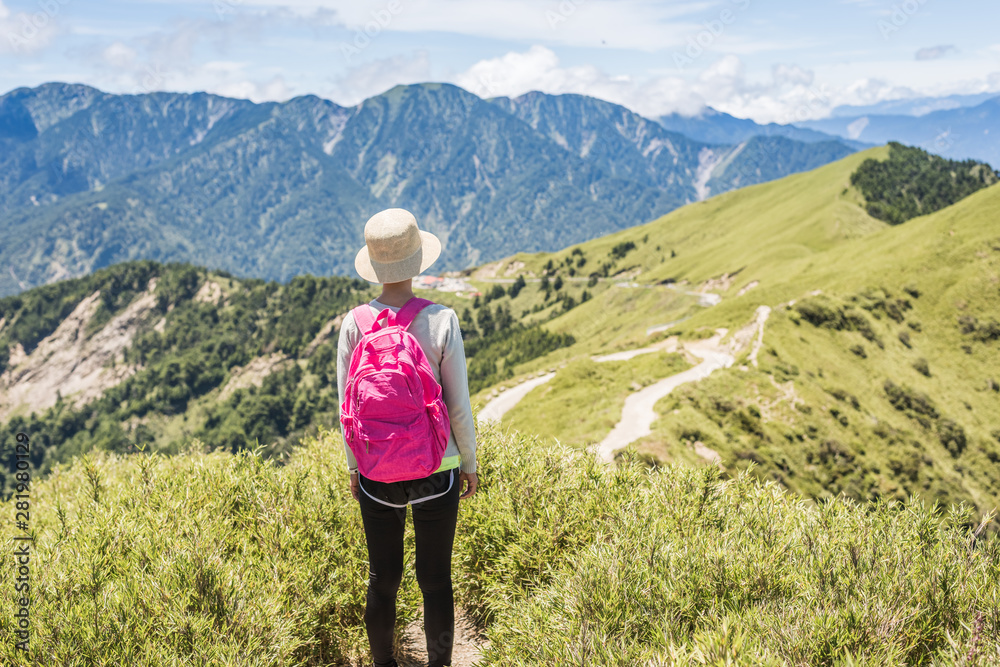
[(638, 414), (499, 406), (466, 648)]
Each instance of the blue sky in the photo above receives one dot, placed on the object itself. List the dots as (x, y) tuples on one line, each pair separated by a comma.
[(774, 60)]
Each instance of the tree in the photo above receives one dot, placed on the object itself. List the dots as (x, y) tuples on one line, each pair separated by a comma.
[(467, 324), (516, 287), (485, 321)]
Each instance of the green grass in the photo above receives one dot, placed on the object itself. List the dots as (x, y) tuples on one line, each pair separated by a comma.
[(804, 233), (230, 559)]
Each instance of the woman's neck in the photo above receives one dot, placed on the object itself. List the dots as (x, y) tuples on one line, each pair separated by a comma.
[(396, 294)]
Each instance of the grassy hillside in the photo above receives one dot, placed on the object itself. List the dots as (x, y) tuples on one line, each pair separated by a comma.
[(867, 320), (215, 558)]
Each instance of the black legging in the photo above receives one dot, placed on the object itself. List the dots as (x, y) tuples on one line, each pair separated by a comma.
[(434, 526)]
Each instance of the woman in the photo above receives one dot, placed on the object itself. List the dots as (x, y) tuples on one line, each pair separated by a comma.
[(395, 251)]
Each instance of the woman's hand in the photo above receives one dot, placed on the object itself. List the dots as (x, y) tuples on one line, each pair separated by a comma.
[(471, 482), (355, 486)]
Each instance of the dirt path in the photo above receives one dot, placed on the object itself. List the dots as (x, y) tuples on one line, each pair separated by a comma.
[(465, 652), (638, 414), (669, 345), (498, 407)]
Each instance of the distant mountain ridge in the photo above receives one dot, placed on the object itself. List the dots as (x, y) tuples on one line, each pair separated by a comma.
[(960, 133), (911, 106), (275, 190), (717, 127)]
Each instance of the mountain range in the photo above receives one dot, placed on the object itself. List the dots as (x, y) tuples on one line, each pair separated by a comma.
[(276, 190), (967, 131), (717, 127), (956, 126)]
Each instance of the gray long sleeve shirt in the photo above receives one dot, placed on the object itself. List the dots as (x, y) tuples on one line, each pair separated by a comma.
[(437, 331)]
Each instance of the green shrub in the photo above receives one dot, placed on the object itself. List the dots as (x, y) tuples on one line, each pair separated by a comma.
[(495, 293), (516, 287), (199, 558), (952, 436), (681, 567), (904, 398), (620, 250), (223, 559), (984, 333)]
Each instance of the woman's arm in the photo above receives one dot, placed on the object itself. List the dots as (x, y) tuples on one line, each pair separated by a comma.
[(344, 349), (455, 390)]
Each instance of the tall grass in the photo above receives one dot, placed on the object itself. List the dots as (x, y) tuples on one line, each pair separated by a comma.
[(232, 560), (197, 559), (678, 566)]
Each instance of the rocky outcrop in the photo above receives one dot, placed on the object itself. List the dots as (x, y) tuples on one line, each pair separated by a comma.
[(69, 364)]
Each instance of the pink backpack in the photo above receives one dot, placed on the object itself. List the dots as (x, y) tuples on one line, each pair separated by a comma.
[(393, 416)]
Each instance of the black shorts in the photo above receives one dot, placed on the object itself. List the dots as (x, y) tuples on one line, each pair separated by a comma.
[(400, 494)]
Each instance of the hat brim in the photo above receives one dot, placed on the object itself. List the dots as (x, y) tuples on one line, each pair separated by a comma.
[(394, 272)]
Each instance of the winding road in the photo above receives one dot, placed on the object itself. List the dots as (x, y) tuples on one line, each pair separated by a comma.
[(638, 413), (498, 407)]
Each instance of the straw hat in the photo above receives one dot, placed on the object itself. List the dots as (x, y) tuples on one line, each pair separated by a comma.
[(394, 248)]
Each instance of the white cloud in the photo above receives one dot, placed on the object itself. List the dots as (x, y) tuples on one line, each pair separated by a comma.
[(230, 85), (221, 77), (372, 78), (536, 69), (119, 55), (632, 24), (790, 94), (173, 58), (27, 32)]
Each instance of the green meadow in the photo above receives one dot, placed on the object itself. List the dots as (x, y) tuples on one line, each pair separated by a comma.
[(223, 559), (866, 318)]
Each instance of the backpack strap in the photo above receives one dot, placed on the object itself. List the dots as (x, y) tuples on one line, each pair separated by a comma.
[(409, 311), (363, 318)]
